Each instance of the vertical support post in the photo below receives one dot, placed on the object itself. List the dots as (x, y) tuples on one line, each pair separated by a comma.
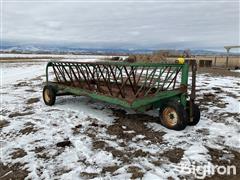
[(184, 78), (228, 49), (184, 83), (193, 91)]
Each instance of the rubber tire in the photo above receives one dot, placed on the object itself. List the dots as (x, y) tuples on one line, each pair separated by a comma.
[(52, 95), (196, 115), (181, 113)]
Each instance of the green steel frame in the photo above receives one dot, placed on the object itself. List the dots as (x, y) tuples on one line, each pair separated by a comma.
[(131, 85)]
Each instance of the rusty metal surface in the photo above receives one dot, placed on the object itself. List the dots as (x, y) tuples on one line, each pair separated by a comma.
[(119, 80), (193, 89)]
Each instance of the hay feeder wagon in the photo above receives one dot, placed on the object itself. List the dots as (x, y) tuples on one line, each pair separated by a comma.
[(139, 86)]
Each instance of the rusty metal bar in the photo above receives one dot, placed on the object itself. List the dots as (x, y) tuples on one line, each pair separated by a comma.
[(100, 70), (114, 77), (68, 74), (124, 83), (62, 73), (71, 69), (169, 69), (174, 78), (129, 78), (86, 80), (56, 74)]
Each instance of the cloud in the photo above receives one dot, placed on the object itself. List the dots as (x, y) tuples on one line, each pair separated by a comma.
[(193, 24)]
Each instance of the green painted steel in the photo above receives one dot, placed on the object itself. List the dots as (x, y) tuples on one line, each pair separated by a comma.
[(139, 64), (138, 103), (82, 92), (151, 100), (184, 81)]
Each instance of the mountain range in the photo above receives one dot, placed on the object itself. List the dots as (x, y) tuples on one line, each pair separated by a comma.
[(56, 49)]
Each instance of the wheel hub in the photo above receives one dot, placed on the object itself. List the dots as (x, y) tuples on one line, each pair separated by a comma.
[(170, 116)]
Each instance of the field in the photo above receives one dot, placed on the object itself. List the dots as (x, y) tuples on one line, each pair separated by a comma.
[(86, 139)]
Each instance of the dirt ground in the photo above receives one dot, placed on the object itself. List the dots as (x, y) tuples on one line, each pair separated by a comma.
[(218, 71)]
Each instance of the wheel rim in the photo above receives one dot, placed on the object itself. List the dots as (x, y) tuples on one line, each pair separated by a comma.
[(47, 95), (170, 116)]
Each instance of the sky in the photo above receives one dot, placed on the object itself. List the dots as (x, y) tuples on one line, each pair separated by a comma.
[(194, 24)]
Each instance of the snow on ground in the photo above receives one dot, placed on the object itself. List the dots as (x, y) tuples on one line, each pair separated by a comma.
[(79, 138), (46, 57), (68, 56), (236, 70)]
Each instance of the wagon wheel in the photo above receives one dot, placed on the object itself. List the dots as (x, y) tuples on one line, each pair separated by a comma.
[(173, 116), (49, 95), (195, 114)]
